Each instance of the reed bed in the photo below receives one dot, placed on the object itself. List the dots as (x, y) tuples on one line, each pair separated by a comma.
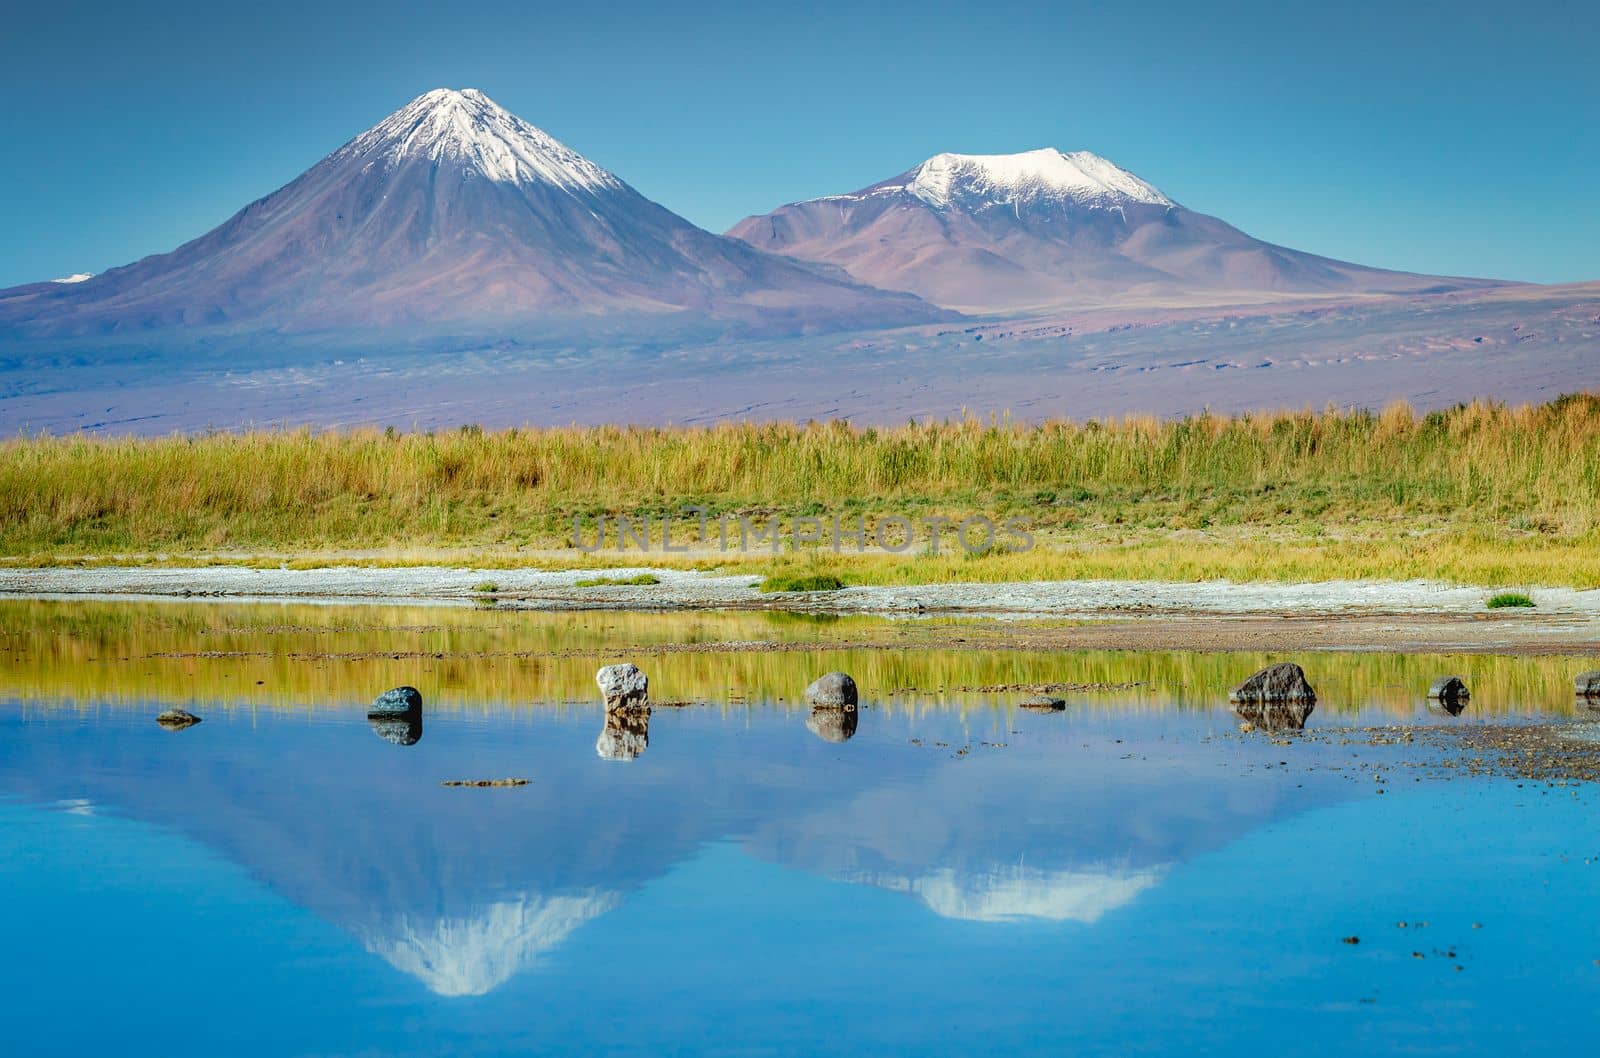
[(1491, 483)]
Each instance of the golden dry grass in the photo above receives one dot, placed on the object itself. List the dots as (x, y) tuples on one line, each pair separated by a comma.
[(1483, 493)]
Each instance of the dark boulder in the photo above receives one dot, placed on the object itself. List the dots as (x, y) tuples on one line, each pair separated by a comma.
[(176, 719), (1283, 682), (401, 701), (836, 690), (1588, 684), (1449, 689)]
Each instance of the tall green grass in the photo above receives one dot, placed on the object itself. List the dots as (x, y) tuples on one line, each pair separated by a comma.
[(1509, 476)]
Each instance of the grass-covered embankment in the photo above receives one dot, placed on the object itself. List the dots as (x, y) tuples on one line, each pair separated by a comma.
[(1480, 494)]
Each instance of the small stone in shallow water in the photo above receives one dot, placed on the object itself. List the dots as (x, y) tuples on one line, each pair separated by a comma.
[(1043, 703), (1283, 682), (177, 719), (1449, 689), (624, 686), (835, 690), (401, 701), (1588, 684)]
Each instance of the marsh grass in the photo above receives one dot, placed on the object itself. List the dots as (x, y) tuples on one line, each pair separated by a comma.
[(801, 582), (602, 582), (1481, 493), (1508, 599)]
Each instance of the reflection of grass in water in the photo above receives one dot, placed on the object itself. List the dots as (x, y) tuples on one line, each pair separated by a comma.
[(303, 658), (798, 617)]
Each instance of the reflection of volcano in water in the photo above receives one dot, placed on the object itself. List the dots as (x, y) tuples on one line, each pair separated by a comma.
[(470, 956), (1009, 894), (462, 889)]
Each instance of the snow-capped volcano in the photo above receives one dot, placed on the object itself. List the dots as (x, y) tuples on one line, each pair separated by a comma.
[(466, 128), (1046, 175), (1044, 229), (454, 215)]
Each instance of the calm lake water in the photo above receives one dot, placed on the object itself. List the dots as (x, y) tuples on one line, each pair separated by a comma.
[(956, 876)]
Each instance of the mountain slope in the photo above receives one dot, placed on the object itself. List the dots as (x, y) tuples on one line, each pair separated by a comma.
[(451, 212), (1045, 229)]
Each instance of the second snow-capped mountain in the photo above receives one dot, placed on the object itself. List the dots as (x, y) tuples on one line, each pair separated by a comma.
[(1046, 229)]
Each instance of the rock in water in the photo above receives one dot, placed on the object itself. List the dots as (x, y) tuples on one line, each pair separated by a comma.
[(836, 690), (400, 730), (1043, 703), (624, 686), (832, 725), (1284, 682), (1588, 684), (1449, 689), (177, 719), (626, 734), (402, 701)]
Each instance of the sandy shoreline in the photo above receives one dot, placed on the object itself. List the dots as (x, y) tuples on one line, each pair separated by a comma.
[(1351, 615)]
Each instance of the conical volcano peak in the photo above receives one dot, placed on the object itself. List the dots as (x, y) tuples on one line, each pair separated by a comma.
[(1079, 176), (468, 128), (454, 213)]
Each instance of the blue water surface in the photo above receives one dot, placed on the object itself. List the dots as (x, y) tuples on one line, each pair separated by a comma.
[(1089, 883)]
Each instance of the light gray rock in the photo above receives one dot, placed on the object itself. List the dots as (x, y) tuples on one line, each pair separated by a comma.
[(626, 734), (1283, 682), (401, 701), (1449, 689), (624, 686), (1588, 684), (177, 719), (1043, 703), (832, 725), (836, 690)]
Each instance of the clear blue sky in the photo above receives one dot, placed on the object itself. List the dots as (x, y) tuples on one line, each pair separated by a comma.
[(1444, 137)]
